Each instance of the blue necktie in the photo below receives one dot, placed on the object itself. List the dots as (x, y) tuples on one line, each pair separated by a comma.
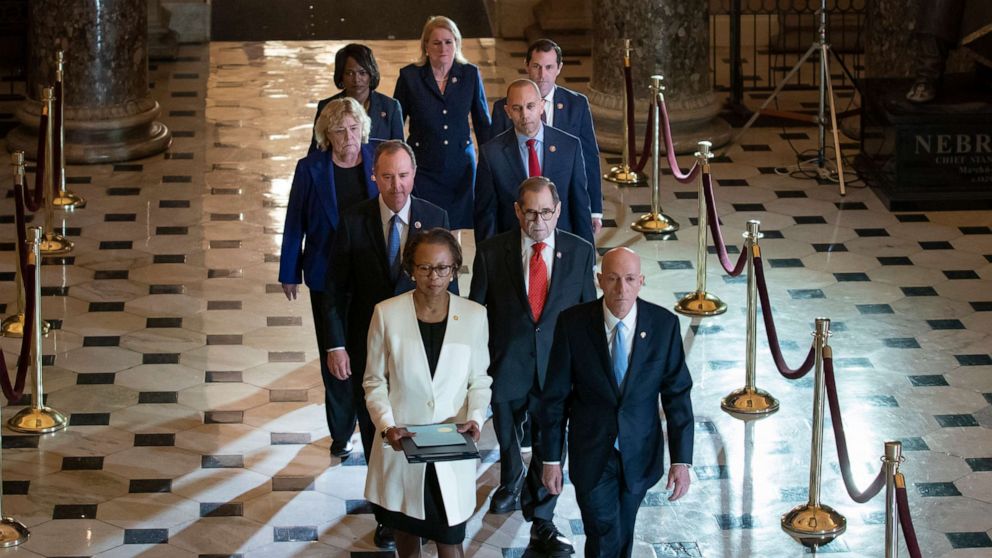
[(619, 353), (393, 247)]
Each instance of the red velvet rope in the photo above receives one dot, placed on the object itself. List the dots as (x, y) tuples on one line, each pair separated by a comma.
[(646, 151), (628, 90), (14, 392), (906, 521), (37, 201), (841, 438), (56, 144), (772, 333), (673, 162), (714, 222)]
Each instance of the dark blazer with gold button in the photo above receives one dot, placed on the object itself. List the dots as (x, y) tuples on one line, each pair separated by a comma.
[(441, 137)]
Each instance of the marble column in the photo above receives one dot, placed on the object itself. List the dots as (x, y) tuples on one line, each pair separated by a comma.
[(892, 50), (109, 114), (671, 38)]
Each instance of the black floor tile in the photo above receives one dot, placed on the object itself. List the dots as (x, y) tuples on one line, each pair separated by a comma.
[(20, 442), (969, 540), (914, 444), (979, 463), (108, 274), (777, 263), (982, 305), (974, 360), (294, 534), (120, 218), (16, 487), (712, 472), (952, 421), (169, 259), (894, 260), (945, 324), (225, 304), (222, 462), (790, 194), (748, 207), (732, 182), (935, 245), (151, 323), (805, 294), (864, 233), (869, 309), (933, 489), (89, 419), (918, 291), (147, 486), (154, 440), (975, 230), (160, 358), (224, 339), (115, 245), (84, 463), (158, 397), (728, 521), (901, 343), (166, 289), (961, 274), (809, 220), (675, 264), (830, 247), (95, 378), (171, 230), (146, 536), (851, 277), (357, 507), (222, 509), (929, 380), (102, 341), (74, 511)]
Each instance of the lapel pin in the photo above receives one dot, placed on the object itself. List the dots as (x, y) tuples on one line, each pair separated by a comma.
[(416, 224), (455, 317), (382, 114), (454, 79), (558, 255), (552, 149), (560, 106), (643, 335)]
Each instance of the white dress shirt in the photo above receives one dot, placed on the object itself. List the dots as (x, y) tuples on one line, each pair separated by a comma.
[(610, 323), (547, 254), (525, 153), (549, 107)]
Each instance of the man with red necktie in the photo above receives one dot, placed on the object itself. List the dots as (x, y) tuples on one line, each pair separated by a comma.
[(525, 277), (530, 149)]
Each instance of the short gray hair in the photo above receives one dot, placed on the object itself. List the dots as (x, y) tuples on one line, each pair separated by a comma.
[(332, 115)]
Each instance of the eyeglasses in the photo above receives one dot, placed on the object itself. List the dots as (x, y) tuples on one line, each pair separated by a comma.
[(441, 270), (545, 214), (354, 73)]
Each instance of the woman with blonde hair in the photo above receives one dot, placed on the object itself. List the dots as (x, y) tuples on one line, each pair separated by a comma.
[(331, 179), (439, 94)]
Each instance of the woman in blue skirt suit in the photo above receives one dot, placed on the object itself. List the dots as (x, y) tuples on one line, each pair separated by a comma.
[(438, 94)]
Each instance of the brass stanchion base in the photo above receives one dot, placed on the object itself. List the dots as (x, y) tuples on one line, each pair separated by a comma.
[(42, 420), (749, 404), (68, 201), (700, 303), (13, 326), (625, 176), (55, 244), (814, 526), (12, 532), (652, 223)]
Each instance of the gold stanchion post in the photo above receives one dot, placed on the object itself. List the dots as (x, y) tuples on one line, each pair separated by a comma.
[(701, 303), (63, 199), (893, 456), (749, 402), (624, 174), (53, 243), (37, 419), (656, 221), (13, 325), (814, 524)]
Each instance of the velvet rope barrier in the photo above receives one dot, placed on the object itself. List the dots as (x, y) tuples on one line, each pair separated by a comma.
[(646, 151), (56, 143), (628, 91), (37, 201), (906, 522), (673, 162), (718, 242), (838, 422), (772, 333), (14, 392)]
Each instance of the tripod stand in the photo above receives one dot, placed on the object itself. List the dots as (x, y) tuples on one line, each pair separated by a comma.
[(826, 97)]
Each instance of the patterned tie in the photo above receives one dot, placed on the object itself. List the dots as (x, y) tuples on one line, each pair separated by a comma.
[(537, 286), (544, 115), (619, 363), (393, 247), (533, 164)]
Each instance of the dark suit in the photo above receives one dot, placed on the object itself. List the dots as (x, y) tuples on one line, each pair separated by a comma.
[(361, 280), (581, 392), (572, 115), (311, 221), (384, 111), (440, 135), (519, 346), (501, 170)]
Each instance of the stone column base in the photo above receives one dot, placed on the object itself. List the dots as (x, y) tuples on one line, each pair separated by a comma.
[(692, 120), (97, 135)]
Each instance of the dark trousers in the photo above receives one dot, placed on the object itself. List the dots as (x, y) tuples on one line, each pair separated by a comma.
[(365, 425), (535, 501), (608, 513), (338, 397)]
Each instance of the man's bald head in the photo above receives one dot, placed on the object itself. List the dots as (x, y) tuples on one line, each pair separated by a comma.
[(621, 280)]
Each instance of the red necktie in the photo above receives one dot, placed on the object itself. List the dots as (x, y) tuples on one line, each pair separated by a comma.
[(537, 287), (534, 166)]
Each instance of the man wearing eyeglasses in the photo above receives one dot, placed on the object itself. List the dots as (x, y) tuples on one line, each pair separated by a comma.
[(530, 149), (525, 277), (368, 248)]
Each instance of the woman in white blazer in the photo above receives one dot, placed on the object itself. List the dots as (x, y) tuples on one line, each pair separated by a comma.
[(428, 357)]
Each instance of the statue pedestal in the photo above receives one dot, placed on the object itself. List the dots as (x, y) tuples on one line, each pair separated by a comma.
[(934, 156)]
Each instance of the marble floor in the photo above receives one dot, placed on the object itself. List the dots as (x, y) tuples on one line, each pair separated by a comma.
[(193, 389)]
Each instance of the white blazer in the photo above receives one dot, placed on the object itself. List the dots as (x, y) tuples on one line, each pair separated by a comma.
[(399, 391)]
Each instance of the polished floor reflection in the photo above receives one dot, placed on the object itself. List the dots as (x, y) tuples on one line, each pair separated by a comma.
[(193, 388)]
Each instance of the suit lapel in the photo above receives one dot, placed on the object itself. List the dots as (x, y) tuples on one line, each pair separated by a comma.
[(639, 347), (512, 153), (428, 77), (562, 259), (550, 154), (597, 335), (368, 156), (515, 267), (373, 228), (560, 106), (322, 175)]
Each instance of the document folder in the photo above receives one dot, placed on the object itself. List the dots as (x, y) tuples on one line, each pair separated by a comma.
[(438, 442)]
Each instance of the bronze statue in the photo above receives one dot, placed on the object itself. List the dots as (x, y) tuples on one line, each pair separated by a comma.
[(943, 25)]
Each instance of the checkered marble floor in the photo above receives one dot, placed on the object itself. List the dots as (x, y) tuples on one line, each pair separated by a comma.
[(193, 389)]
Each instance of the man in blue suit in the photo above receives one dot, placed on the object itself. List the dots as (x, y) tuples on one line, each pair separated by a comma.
[(366, 259), (565, 110), (611, 361), (529, 149), (525, 278)]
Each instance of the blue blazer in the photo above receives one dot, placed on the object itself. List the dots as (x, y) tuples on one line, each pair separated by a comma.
[(312, 218), (519, 346), (581, 392), (572, 115), (385, 112), (360, 276), (501, 171)]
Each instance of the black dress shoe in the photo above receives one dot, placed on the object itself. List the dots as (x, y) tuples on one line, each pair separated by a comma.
[(505, 500), (341, 449), (383, 537), (546, 538)]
